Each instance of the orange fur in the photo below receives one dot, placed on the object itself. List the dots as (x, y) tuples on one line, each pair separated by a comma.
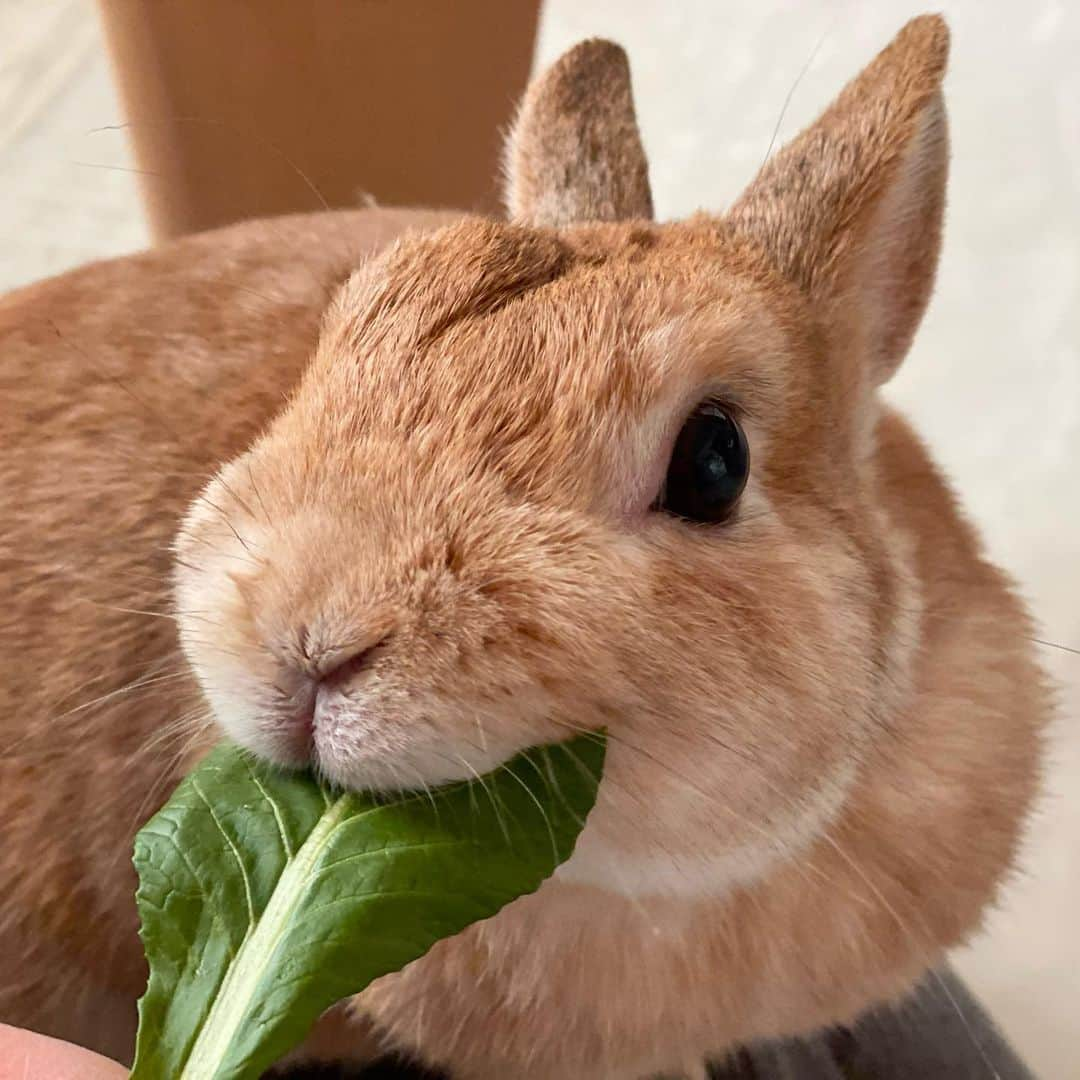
[(824, 715)]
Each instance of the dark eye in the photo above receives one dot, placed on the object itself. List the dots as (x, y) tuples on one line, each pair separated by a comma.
[(709, 467)]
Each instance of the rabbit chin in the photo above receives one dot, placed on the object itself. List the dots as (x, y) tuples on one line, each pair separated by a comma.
[(601, 860)]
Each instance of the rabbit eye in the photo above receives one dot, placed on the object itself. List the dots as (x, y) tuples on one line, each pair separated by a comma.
[(709, 467)]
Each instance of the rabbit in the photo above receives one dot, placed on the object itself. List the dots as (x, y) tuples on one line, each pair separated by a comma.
[(411, 492)]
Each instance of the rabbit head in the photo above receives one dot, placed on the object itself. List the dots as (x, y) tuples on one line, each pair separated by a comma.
[(579, 470)]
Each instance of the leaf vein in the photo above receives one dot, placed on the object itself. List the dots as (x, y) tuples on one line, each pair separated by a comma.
[(274, 807), (233, 849)]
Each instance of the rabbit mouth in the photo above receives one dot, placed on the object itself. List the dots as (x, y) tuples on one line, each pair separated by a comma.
[(361, 745)]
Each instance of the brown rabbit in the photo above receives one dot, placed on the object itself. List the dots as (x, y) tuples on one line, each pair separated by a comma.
[(573, 471)]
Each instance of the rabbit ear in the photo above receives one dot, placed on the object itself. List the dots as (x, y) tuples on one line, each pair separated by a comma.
[(575, 153), (851, 210)]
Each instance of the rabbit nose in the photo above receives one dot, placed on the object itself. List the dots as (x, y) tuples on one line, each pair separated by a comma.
[(331, 663), (334, 700), (342, 667), (336, 679), (323, 681)]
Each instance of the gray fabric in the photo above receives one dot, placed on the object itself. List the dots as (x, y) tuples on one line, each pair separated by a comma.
[(939, 1031)]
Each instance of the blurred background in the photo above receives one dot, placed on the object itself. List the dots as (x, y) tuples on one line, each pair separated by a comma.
[(993, 381)]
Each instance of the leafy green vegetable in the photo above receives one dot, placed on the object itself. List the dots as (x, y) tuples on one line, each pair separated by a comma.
[(265, 898)]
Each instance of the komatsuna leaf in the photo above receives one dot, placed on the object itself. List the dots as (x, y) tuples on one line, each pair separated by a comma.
[(265, 898)]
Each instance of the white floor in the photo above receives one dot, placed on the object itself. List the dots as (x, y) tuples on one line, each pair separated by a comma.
[(993, 380)]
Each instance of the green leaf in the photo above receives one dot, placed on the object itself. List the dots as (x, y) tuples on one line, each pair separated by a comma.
[(265, 898)]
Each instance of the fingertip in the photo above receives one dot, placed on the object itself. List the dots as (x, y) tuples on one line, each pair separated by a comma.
[(25, 1055)]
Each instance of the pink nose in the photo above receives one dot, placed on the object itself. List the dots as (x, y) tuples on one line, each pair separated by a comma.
[(345, 666), (321, 691)]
